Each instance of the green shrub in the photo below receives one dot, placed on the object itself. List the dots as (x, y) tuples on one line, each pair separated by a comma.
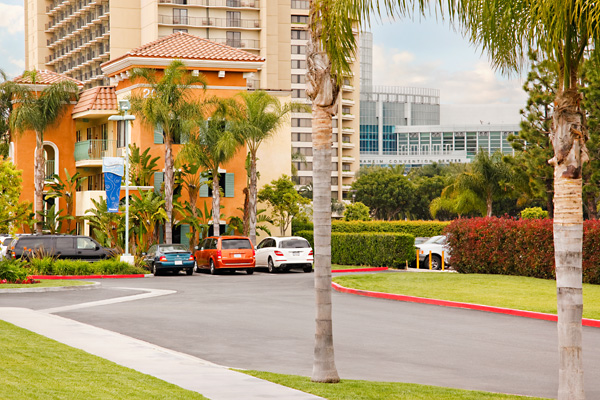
[(49, 266), (372, 249), (12, 270), (516, 247), (298, 224), (357, 212), (368, 248), (534, 213), (415, 228)]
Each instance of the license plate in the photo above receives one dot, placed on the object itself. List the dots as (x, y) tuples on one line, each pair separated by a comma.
[(295, 253), (178, 262), (237, 256)]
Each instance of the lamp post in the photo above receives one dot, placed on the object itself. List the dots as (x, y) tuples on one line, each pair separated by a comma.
[(124, 107)]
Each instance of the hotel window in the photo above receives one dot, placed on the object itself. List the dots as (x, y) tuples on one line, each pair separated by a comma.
[(298, 64), (301, 122), (298, 93), (121, 134), (234, 18), (298, 49), (299, 19), (180, 16), (234, 39), (180, 30), (298, 78), (298, 34)]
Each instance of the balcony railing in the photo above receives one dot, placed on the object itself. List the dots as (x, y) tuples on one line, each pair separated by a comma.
[(215, 3), (50, 169), (239, 43), (95, 149), (203, 21)]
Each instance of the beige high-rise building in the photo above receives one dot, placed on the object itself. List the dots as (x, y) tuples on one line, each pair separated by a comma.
[(75, 37)]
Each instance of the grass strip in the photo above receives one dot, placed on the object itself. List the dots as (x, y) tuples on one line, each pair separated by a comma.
[(46, 283), (35, 367), (368, 390), (516, 292)]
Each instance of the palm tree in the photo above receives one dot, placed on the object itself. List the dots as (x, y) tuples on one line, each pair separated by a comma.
[(172, 109), (260, 118), (37, 111), (66, 190), (147, 211), (562, 32), (211, 146)]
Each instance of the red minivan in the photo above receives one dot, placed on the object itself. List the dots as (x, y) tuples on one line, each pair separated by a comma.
[(226, 253)]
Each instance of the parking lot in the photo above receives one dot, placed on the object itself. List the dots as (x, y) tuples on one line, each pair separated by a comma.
[(266, 322)]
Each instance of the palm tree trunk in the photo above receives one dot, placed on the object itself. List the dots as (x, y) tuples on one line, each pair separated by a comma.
[(323, 90), (216, 204), (489, 202), (38, 181), (252, 200), (169, 181), (568, 139)]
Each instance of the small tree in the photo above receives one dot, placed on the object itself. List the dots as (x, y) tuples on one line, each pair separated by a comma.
[(357, 212), (534, 213), (12, 212), (141, 166), (66, 190), (284, 201)]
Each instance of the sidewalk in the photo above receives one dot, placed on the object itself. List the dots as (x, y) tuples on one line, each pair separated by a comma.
[(211, 380)]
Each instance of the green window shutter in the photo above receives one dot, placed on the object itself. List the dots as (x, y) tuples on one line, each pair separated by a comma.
[(159, 178), (203, 192), (229, 185), (158, 135), (185, 229)]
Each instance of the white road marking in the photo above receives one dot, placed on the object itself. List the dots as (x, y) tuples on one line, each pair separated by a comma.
[(149, 293)]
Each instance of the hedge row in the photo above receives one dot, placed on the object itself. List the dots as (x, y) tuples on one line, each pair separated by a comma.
[(19, 269), (369, 249), (415, 228), (516, 247)]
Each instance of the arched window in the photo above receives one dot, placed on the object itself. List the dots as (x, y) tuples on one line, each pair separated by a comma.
[(51, 157)]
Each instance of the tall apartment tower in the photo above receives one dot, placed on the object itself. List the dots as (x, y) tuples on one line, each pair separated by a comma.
[(74, 38)]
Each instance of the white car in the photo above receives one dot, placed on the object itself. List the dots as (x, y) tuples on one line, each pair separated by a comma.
[(284, 253), (5, 241), (436, 245)]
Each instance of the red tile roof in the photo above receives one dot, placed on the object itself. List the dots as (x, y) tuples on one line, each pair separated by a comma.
[(97, 98), (45, 77), (183, 46)]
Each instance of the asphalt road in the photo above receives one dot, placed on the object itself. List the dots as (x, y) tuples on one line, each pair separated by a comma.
[(266, 322)]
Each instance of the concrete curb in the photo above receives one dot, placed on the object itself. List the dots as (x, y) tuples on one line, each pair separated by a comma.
[(64, 277), (455, 304), (374, 269), (92, 285)]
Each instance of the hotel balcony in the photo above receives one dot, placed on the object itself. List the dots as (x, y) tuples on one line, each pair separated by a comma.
[(347, 131), (347, 173), (347, 145), (246, 44), (215, 3), (347, 117), (89, 153), (348, 102), (242, 23)]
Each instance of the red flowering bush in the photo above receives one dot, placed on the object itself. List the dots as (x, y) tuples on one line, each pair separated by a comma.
[(516, 247)]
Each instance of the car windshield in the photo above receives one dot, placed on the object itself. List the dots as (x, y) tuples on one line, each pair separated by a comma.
[(436, 240), (231, 244), (294, 244), (173, 247)]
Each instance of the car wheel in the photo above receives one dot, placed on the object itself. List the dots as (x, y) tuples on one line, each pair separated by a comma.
[(250, 271), (213, 270), (189, 271), (271, 266), (308, 268), (155, 271), (436, 262)]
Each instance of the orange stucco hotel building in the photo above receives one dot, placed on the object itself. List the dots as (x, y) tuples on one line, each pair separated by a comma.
[(84, 134)]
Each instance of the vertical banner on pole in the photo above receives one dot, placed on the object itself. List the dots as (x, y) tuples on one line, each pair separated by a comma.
[(113, 170)]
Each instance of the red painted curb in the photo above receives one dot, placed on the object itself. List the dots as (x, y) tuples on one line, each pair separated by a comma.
[(446, 303), (361, 269), (86, 276)]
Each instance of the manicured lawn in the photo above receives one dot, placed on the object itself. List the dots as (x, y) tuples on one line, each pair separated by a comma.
[(35, 367), (338, 266), (46, 283), (516, 292), (367, 390)]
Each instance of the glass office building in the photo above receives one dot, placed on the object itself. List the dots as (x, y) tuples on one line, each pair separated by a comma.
[(401, 125)]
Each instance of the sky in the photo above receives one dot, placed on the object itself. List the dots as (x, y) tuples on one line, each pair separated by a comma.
[(421, 53)]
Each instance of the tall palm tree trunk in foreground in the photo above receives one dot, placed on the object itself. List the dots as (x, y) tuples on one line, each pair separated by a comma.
[(169, 179), (323, 91), (568, 137), (38, 181), (252, 200), (216, 205)]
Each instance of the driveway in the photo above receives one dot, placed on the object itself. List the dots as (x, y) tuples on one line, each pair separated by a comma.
[(266, 322)]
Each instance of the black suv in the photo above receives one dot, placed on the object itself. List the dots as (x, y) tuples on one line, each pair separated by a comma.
[(60, 246)]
